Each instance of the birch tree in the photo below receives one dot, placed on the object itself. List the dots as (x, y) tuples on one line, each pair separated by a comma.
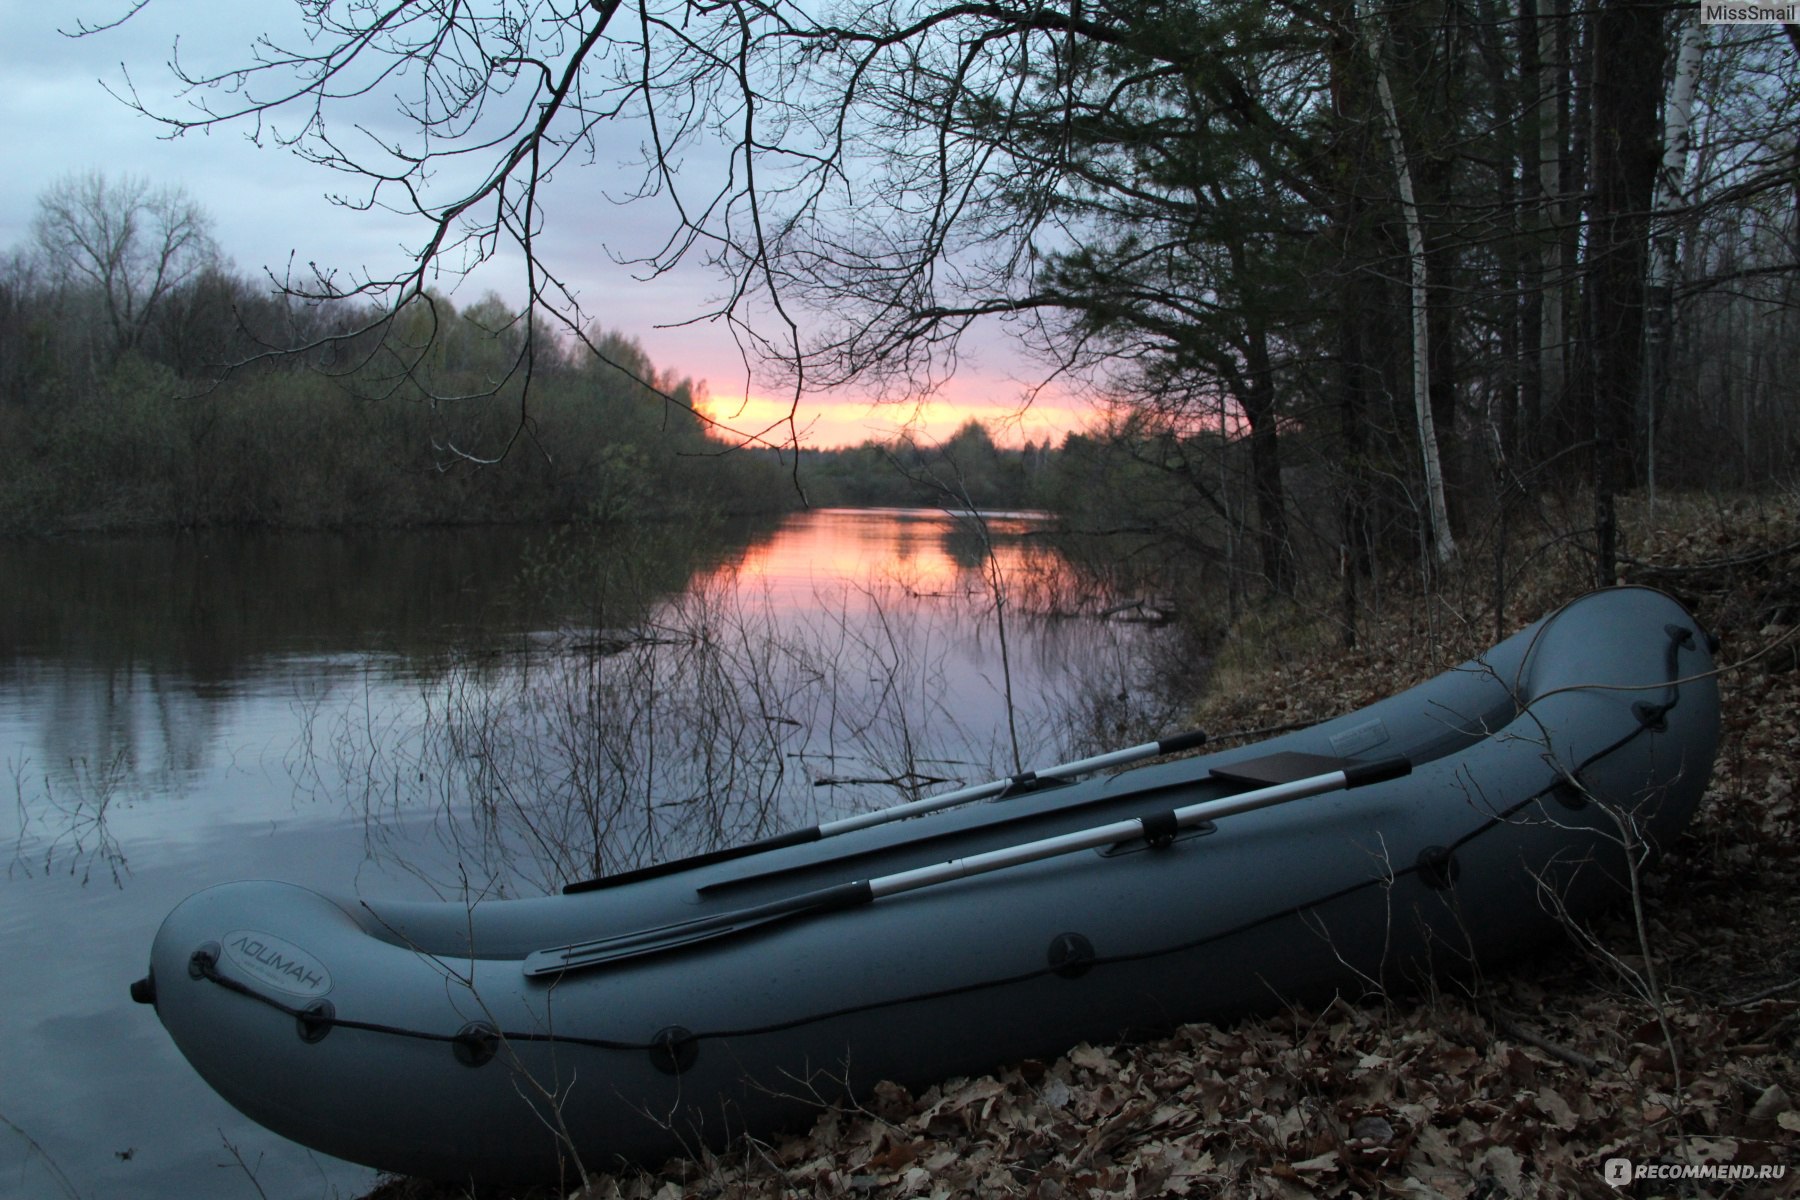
[(1670, 196), (1443, 544)]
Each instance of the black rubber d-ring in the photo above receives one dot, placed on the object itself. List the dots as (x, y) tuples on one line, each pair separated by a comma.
[(315, 1021), (1437, 867), (1071, 955), (674, 1049), (202, 961), (475, 1044)]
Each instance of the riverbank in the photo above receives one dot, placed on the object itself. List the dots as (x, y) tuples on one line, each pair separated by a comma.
[(1669, 1036)]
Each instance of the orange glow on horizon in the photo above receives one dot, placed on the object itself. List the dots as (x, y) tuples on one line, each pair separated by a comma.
[(830, 424)]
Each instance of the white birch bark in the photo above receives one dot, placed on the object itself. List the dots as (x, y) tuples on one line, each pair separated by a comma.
[(1443, 545), (1669, 197)]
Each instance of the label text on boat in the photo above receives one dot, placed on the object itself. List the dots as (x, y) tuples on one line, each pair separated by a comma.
[(277, 962)]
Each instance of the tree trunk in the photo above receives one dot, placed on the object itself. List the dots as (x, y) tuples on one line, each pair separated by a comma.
[(1351, 354), (1552, 339), (1671, 191), (1258, 401), (1443, 545), (1627, 86)]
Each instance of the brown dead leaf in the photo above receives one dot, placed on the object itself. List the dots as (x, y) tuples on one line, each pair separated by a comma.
[(1327, 1161), (1552, 1105), (1089, 1058)]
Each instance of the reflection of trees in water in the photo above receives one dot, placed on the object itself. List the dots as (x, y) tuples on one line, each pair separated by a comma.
[(159, 727), (128, 663), (721, 716), (103, 738), (64, 818), (684, 704)]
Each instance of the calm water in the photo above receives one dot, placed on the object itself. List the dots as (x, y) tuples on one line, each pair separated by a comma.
[(385, 715)]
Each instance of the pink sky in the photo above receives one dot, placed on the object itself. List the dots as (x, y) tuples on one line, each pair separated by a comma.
[(992, 384), (994, 398)]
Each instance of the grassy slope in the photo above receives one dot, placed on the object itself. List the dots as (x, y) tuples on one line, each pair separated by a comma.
[(1677, 1041)]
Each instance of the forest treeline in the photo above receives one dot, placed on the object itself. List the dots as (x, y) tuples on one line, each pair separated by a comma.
[(1363, 287), (145, 384)]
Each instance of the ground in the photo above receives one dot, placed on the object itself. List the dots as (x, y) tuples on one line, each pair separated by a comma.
[(1672, 1036)]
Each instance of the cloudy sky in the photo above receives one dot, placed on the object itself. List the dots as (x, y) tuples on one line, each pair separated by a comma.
[(271, 208)]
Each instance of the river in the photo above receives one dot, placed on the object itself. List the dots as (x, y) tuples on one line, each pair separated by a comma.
[(439, 713)]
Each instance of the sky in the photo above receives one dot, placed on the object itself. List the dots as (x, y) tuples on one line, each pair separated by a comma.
[(270, 209)]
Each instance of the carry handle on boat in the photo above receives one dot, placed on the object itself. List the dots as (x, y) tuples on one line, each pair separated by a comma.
[(1156, 827), (1025, 781)]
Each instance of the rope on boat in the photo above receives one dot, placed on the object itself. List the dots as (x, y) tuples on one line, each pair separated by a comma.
[(318, 1018), (674, 1047)]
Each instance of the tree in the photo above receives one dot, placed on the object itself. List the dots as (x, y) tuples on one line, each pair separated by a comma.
[(1197, 204), (129, 243), (1443, 544), (1627, 82), (1671, 187)]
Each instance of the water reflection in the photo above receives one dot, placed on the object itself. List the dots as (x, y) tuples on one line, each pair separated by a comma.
[(849, 659), (711, 682), (483, 711)]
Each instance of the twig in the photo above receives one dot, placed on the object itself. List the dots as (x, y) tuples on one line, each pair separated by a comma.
[(244, 1166), (1717, 564), (31, 1143), (1512, 1029), (1766, 993)]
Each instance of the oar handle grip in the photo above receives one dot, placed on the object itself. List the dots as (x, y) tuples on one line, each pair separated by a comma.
[(1379, 771), (1191, 740)]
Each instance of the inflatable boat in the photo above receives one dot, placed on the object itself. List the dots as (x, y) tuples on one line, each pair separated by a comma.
[(647, 1014)]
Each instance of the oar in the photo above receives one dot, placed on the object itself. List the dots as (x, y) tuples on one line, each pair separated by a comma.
[(1156, 828), (881, 816)]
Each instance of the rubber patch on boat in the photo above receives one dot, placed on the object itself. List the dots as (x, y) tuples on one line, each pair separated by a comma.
[(277, 962), (1358, 738)]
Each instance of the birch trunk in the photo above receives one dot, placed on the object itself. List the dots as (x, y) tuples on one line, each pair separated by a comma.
[(1443, 545), (1671, 194)]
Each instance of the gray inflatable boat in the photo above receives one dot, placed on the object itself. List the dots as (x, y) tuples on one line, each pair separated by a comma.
[(635, 1017)]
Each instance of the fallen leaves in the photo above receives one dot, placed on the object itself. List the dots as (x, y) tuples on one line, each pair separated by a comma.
[(1420, 1100)]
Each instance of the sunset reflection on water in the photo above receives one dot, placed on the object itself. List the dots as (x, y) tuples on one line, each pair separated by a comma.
[(920, 646), (927, 553)]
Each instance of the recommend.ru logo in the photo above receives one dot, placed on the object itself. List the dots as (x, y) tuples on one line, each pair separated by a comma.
[(1620, 1171)]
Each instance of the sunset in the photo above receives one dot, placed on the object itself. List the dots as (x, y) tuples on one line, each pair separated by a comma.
[(826, 422), (880, 599)]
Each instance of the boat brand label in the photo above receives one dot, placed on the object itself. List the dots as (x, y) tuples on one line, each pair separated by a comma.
[(277, 962)]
